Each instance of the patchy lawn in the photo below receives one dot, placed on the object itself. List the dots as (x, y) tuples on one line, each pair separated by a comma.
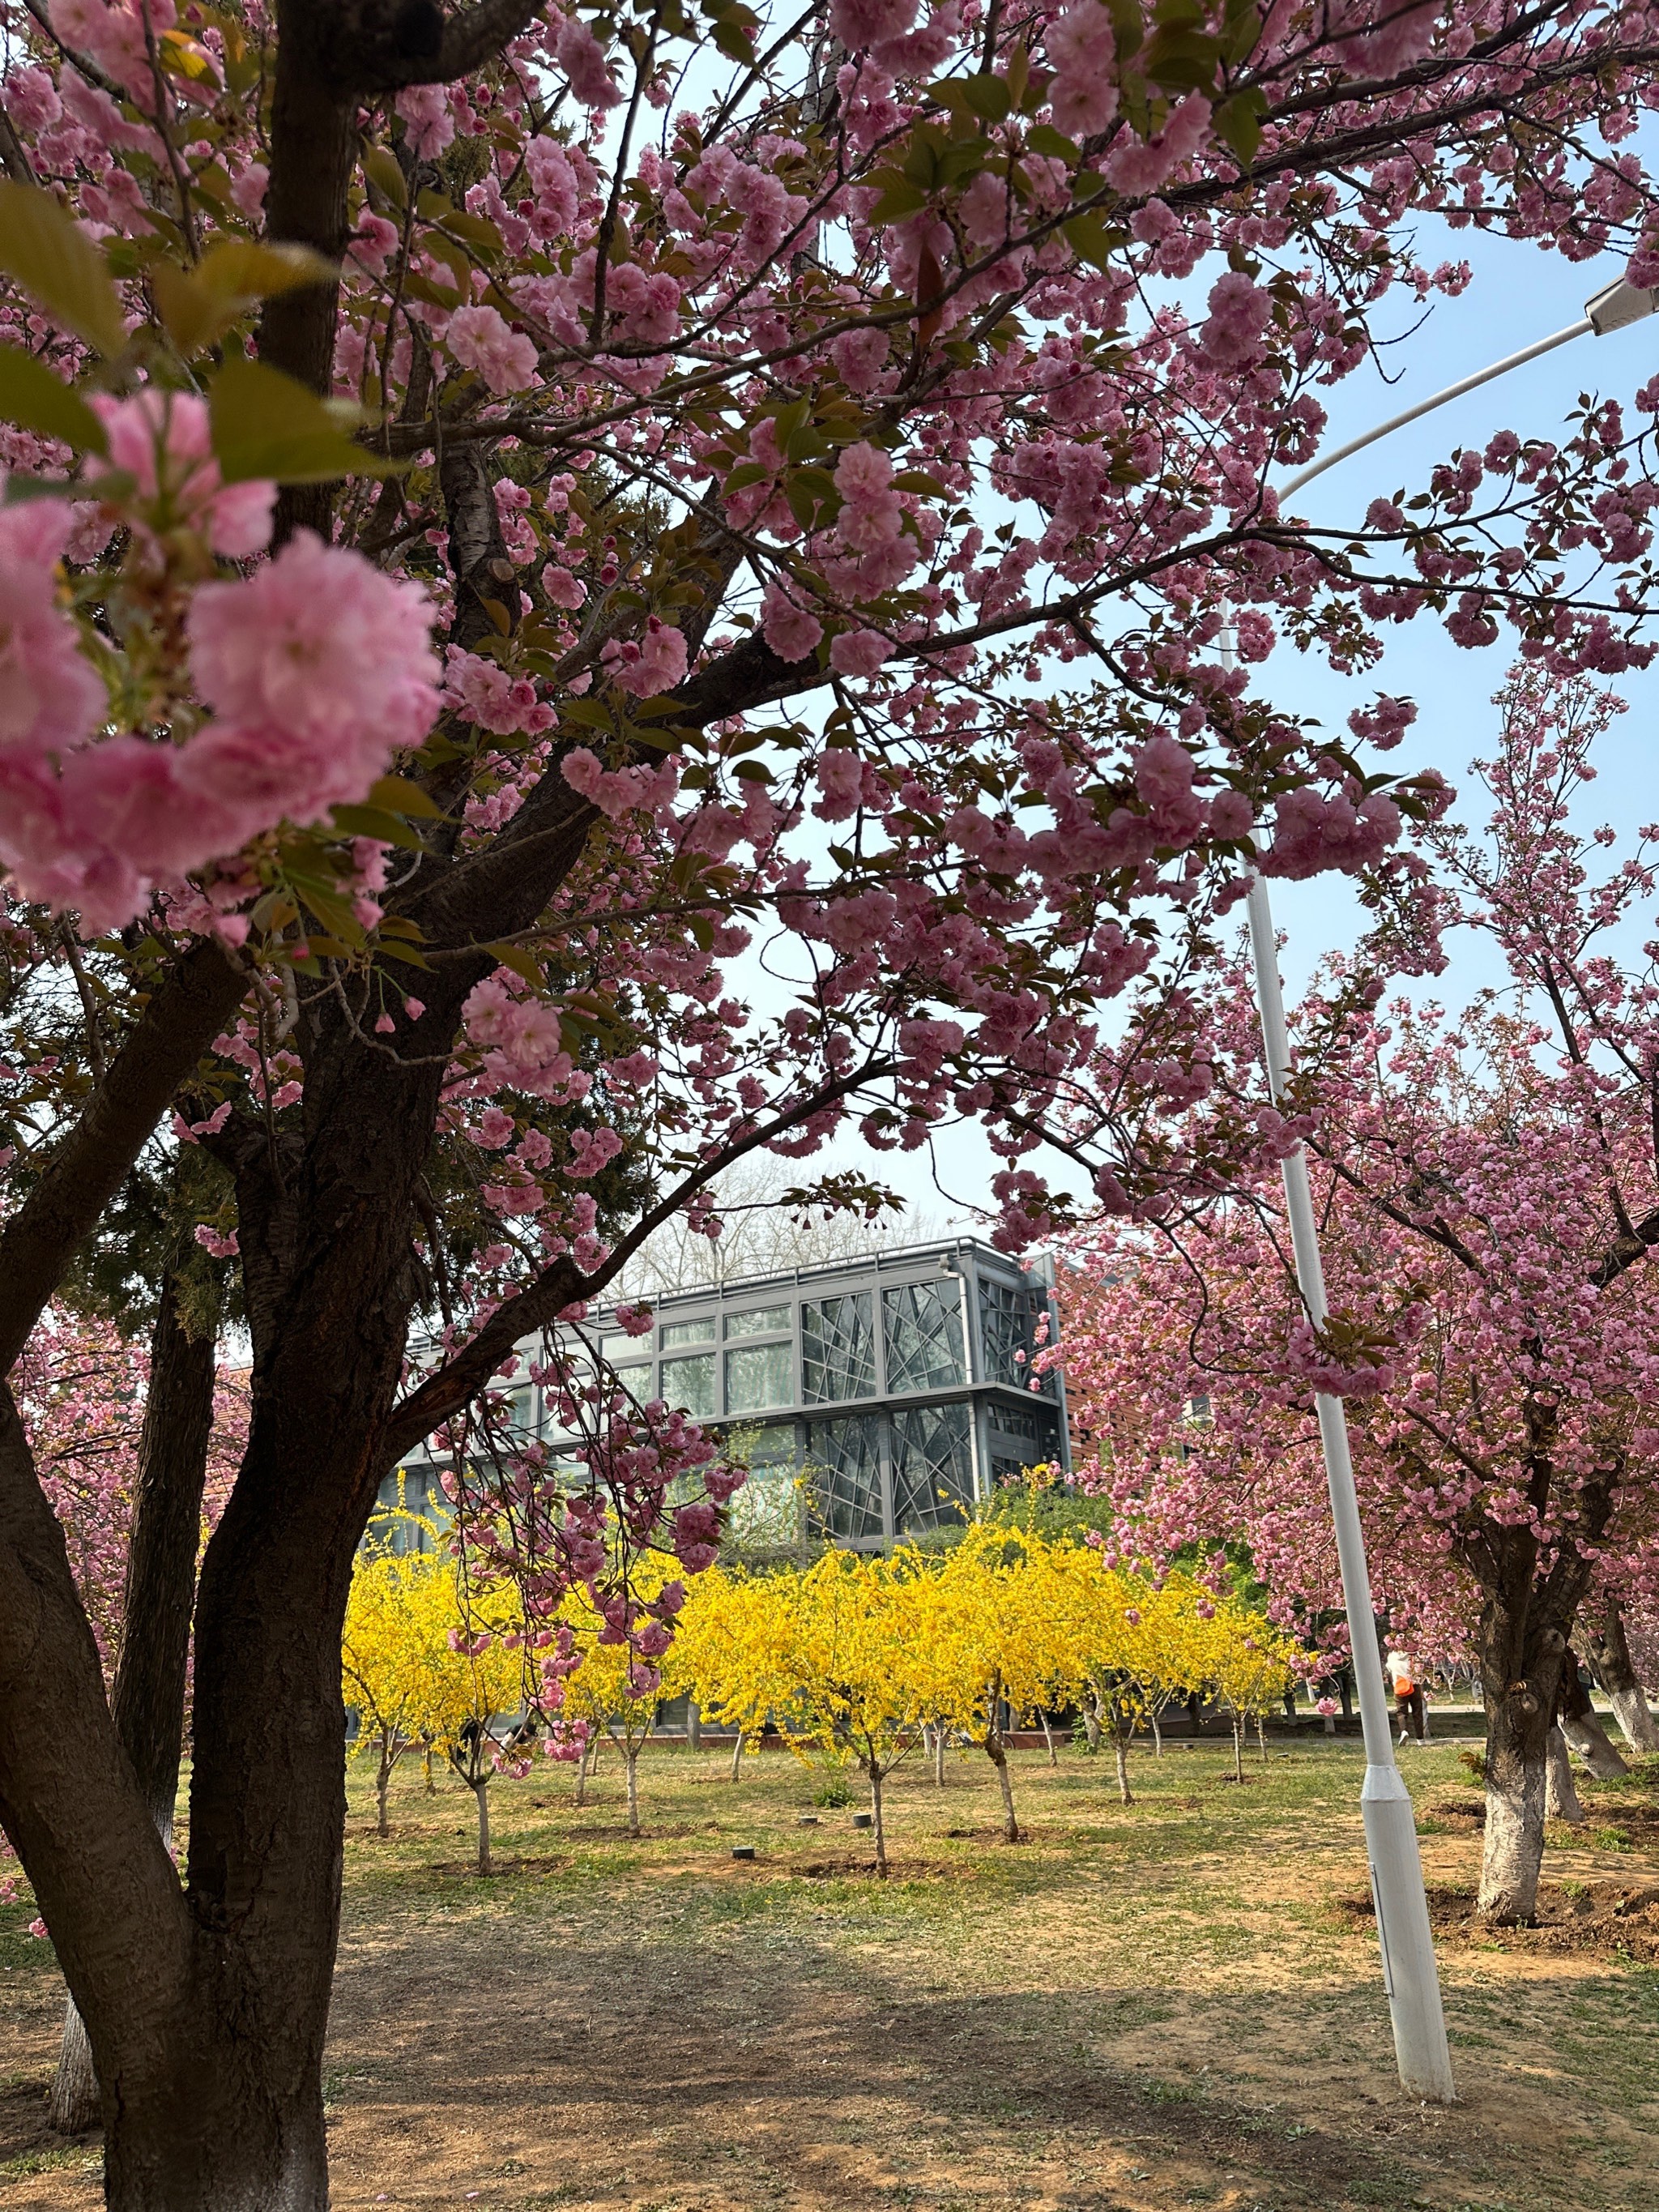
[(1168, 2004)]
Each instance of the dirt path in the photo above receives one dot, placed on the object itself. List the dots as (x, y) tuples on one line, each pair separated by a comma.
[(1146, 2008)]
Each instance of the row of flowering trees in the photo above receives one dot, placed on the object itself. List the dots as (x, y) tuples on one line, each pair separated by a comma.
[(1487, 1187), (859, 1657), (856, 1660), (508, 504)]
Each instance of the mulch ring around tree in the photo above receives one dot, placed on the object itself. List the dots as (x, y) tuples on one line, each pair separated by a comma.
[(1595, 1919)]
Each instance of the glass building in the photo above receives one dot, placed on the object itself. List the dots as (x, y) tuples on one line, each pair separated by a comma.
[(878, 1397)]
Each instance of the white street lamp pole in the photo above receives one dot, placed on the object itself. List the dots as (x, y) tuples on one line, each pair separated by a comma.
[(1410, 1977)]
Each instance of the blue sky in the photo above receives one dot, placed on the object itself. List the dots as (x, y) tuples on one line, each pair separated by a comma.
[(1517, 295)]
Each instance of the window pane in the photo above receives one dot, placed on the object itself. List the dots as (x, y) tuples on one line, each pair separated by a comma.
[(759, 1375), (691, 1383), (1007, 1319), (932, 1468), (689, 1332), (838, 1353), (923, 1322), (759, 1321), (766, 1513), (843, 1476)]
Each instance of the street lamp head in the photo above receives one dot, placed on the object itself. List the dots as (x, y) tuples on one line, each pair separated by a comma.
[(1618, 306)]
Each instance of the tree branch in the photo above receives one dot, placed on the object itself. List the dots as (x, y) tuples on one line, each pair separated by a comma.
[(88, 1168)]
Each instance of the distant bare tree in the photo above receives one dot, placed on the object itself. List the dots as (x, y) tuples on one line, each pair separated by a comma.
[(769, 1224)]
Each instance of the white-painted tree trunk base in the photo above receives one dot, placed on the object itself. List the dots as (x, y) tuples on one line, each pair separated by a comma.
[(1636, 1723), (1513, 1850), (1561, 1791), (1591, 1741)]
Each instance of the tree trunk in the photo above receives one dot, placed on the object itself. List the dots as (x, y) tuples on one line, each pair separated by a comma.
[(481, 1793), (631, 1761), (147, 1705), (1518, 1711), (1582, 1726), (872, 1768), (1261, 1738), (1561, 1791), (941, 1737), (1049, 1738), (382, 1785), (1238, 1748), (431, 1782), (1120, 1754), (1609, 1654), (1091, 1726), (998, 1758), (1153, 1716), (693, 1725), (737, 1755)]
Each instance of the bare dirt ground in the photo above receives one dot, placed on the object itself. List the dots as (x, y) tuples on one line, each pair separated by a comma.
[(1173, 2003)]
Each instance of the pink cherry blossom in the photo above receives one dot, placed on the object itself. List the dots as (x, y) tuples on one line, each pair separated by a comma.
[(504, 358)]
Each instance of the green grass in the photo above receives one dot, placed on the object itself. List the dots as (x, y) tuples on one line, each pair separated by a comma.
[(1166, 1990)]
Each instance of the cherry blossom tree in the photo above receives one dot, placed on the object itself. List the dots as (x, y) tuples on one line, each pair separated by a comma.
[(1489, 1197), (522, 507)]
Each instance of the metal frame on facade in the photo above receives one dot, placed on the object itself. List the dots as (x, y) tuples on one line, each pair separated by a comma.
[(891, 1391)]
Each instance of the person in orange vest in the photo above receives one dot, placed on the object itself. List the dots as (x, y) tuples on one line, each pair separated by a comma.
[(1410, 1708)]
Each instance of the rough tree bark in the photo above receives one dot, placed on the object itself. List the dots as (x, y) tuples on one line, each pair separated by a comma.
[(149, 1700), (996, 1751), (1609, 1653), (1583, 1729), (1560, 1790)]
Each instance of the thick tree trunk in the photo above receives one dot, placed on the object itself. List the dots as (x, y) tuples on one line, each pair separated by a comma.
[(1581, 1725), (874, 1769), (1091, 1726), (1610, 1652), (148, 1706), (1561, 1791), (737, 1755), (941, 1737), (693, 1725), (1520, 1703)]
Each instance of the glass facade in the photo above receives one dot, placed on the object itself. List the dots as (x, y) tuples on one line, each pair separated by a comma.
[(689, 1332), (876, 1398), (932, 1466), (691, 1383), (759, 1377), (760, 1321), (837, 1348), (843, 1477), (922, 1324)]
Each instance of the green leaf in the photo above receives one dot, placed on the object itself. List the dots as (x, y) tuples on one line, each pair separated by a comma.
[(381, 167), (398, 795), (734, 42), (901, 197), (521, 962), (1090, 241), (35, 399), (267, 424), (373, 821), (1045, 139), (988, 97), (52, 258), (1238, 123)]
